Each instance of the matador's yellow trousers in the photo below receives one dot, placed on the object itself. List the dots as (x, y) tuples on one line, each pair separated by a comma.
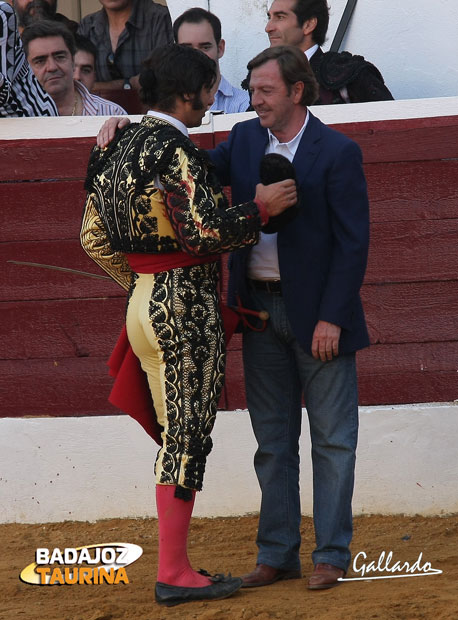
[(174, 327)]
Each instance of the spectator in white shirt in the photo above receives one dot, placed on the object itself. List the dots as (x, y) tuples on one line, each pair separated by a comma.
[(50, 50)]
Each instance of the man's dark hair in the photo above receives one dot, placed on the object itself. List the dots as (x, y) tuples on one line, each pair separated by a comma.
[(197, 16), (294, 67), (173, 71), (85, 45), (306, 9), (44, 28)]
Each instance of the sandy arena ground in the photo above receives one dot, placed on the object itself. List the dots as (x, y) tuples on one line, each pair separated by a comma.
[(227, 544)]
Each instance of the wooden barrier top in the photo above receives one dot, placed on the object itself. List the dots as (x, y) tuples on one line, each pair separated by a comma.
[(87, 126)]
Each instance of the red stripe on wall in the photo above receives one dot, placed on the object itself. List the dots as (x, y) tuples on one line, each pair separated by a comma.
[(57, 329)]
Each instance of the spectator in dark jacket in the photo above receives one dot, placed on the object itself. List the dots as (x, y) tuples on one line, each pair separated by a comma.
[(342, 77)]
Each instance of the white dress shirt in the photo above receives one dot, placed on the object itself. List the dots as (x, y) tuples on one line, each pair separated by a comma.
[(263, 263)]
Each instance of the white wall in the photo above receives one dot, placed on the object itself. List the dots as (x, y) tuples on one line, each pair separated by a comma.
[(58, 469), (414, 43)]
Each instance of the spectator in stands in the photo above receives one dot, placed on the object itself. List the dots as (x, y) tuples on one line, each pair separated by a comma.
[(342, 77), (29, 11), (201, 30), (50, 50), (85, 56), (125, 32), (20, 92)]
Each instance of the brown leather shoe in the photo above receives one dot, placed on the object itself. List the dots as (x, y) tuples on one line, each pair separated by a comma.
[(325, 576), (264, 575)]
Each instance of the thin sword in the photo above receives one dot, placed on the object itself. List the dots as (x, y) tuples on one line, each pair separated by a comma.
[(57, 268)]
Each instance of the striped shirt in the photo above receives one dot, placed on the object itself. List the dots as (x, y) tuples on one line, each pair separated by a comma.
[(20, 92), (93, 105), (149, 26), (229, 99)]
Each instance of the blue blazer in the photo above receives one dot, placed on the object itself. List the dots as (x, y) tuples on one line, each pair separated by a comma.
[(323, 251)]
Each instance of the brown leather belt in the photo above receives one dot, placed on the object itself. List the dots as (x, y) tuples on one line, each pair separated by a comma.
[(270, 286)]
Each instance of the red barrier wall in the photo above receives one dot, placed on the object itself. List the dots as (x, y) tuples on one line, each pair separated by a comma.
[(57, 329)]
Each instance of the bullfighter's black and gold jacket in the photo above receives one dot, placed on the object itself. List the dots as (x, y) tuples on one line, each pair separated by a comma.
[(153, 190)]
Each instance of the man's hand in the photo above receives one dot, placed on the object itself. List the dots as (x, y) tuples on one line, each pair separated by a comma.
[(325, 343), (108, 130), (277, 196), (101, 88)]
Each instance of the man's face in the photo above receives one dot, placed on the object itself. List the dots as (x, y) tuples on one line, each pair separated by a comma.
[(27, 10), (270, 98), (116, 5), (282, 26), (84, 68), (200, 37), (196, 106), (52, 64)]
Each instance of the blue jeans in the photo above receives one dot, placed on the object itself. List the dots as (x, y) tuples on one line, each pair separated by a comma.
[(277, 372)]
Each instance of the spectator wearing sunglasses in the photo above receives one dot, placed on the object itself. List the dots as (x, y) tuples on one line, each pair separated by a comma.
[(125, 32)]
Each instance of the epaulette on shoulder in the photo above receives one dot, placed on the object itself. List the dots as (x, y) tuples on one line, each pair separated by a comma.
[(337, 69), (170, 139), (99, 157)]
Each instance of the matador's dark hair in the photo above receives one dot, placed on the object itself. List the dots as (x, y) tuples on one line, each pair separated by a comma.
[(173, 71)]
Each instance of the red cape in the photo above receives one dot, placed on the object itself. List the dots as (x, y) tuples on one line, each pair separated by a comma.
[(131, 393)]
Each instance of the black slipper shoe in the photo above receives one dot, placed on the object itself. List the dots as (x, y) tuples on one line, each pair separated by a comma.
[(221, 587)]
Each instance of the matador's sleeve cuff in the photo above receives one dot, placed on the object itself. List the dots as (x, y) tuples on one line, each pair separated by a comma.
[(262, 211)]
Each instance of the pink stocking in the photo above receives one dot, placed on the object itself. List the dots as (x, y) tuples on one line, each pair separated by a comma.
[(174, 516)]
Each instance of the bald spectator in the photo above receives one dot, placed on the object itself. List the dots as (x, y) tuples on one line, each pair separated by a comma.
[(125, 32), (50, 50)]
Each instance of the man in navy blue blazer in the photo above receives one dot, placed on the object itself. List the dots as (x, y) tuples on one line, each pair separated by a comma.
[(307, 276)]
